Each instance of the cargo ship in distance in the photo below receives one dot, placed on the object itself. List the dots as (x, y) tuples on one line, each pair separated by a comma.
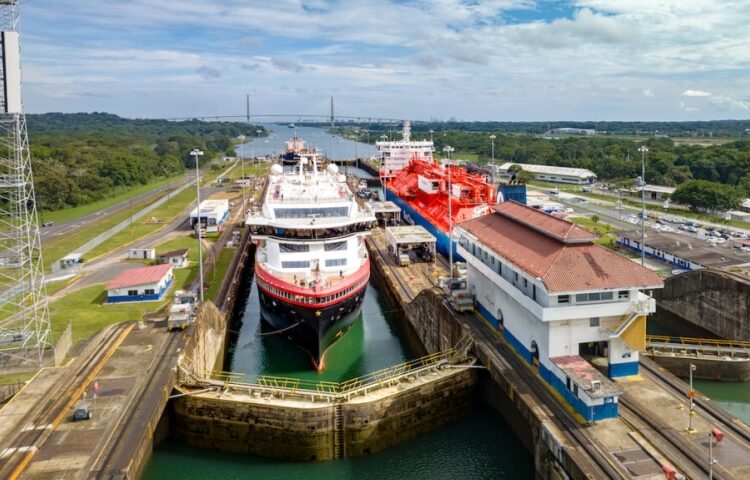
[(296, 149), (428, 193), (311, 264)]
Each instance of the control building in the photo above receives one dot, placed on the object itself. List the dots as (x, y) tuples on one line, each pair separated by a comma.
[(559, 300)]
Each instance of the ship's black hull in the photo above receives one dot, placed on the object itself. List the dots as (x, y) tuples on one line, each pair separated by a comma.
[(310, 328)]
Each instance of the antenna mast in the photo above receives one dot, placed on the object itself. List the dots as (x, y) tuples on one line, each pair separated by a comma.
[(332, 117), (25, 325), (247, 107)]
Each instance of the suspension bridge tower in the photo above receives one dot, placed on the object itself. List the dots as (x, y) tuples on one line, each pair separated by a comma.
[(24, 312)]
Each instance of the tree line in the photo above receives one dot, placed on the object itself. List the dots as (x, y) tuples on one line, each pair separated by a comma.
[(84, 157)]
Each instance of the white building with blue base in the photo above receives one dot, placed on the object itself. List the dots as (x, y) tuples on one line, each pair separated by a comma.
[(144, 284), (560, 301)]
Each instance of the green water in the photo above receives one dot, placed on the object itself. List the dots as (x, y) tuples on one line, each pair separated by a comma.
[(480, 446), (373, 343)]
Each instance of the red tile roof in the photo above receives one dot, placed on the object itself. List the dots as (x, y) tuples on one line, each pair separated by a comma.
[(139, 276), (563, 267), (552, 226)]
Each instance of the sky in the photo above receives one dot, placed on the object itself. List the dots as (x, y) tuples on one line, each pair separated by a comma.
[(505, 60)]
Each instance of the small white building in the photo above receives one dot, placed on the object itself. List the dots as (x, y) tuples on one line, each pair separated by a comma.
[(559, 298), (550, 173), (213, 214), (176, 258), (142, 254), (140, 284), (653, 192)]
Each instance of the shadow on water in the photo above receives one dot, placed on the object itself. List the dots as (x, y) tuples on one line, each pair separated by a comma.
[(373, 343)]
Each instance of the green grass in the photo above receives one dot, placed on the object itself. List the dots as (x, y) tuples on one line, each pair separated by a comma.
[(85, 308), (119, 195), (55, 249), (602, 229), (140, 228), (183, 276), (216, 277)]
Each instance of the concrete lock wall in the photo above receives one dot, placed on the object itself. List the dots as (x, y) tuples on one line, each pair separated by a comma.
[(204, 348), (306, 432), (430, 327), (706, 368), (715, 300)]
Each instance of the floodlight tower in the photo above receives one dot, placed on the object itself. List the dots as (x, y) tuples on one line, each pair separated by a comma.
[(24, 311)]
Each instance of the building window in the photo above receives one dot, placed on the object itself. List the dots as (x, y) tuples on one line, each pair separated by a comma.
[(132, 293), (515, 277), (149, 291), (330, 247), (563, 299), (335, 262), (623, 294), (525, 283), (594, 297), (294, 247), (296, 264), (594, 322)]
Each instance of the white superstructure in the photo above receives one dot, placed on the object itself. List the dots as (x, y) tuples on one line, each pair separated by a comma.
[(395, 155), (310, 227)]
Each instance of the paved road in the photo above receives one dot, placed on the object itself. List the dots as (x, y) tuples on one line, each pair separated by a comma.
[(108, 266), (66, 228)]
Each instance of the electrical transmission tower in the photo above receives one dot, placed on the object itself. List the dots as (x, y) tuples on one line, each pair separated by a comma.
[(24, 312)]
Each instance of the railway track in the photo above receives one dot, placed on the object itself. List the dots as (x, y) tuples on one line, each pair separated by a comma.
[(603, 461), (687, 458), (47, 415), (730, 424), (114, 449)]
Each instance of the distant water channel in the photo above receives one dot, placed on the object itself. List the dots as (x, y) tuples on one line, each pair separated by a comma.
[(333, 147)]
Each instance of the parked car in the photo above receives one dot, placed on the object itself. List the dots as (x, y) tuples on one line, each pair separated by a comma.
[(48, 223)]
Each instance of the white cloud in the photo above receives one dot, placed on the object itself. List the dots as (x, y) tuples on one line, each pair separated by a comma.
[(696, 93), (594, 58), (688, 108)]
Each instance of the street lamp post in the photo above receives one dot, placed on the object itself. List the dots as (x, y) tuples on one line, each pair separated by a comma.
[(242, 172), (643, 151), (196, 154), (448, 149), (492, 164), (691, 394)]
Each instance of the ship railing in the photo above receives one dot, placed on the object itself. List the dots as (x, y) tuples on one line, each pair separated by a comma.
[(269, 386)]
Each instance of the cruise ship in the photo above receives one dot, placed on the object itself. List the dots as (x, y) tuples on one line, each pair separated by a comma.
[(311, 264)]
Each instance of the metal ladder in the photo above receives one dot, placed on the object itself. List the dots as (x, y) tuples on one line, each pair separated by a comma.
[(338, 432)]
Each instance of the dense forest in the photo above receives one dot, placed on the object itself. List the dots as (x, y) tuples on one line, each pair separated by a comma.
[(612, 158), (83, 157), (711, 128)]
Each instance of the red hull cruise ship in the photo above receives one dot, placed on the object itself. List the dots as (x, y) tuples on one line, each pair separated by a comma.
[(311, 264)]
